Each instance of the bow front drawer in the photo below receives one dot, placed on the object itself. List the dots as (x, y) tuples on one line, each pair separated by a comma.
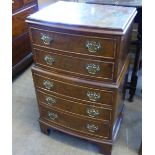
[(88, 110), (86, 126), (87, 68), (72, 89), (104, 47)]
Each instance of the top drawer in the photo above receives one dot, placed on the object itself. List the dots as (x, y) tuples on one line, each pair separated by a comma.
[(86, 45)]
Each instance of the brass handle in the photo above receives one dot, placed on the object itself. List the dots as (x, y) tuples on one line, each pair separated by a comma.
[(49, 59), (92, 112), (46, 39), (92, 127), (93, 46), (93, 96), (48, 84), (52, 115), (92, 68), (50, 100)]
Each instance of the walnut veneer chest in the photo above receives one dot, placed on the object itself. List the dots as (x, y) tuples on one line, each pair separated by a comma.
[(81, 68), (21, 46)]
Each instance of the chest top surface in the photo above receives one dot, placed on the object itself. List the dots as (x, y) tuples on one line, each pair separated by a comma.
[(85, 15)]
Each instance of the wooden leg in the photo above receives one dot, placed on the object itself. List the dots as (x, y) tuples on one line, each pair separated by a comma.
[(44, 128), (105, 149)]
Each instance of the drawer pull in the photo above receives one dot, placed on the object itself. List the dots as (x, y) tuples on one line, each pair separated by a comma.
[(93, 96), (48, 84), (92, 112), (92, 127), (92, 68), (46, 39), (52, 115), (93, 46), (49, 59), (50, 100)]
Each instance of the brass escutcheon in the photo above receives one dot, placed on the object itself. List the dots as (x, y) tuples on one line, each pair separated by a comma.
[(48, 84), (93, 46), (93, 96), (92, 127), (92, 112), (49, 59), (50, 100), (46, 39), (92, 68), (52, 115)]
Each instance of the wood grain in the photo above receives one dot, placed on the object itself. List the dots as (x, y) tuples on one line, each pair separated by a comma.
[(73, 107), (67, 42), (64, 89), (71, 89)]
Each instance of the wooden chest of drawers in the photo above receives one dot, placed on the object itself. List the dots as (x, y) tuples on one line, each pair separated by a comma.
[(21, 47), (81, 68)]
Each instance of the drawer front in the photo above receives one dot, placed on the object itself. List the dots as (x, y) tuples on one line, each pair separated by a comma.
[(86, 45), (89, 127), (74, 91), (28, 1), (16, 4), (86, 67), (18, 21), (67, 105)]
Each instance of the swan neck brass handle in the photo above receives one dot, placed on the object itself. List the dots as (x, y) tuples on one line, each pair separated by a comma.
[(93, 46), (52, 115), (49, 59), (92, 127), (46, 39), (48, 84), (92, 112), (92, 68), (50, 100), (93, 96)]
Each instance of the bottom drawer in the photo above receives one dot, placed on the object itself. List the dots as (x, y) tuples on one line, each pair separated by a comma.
[(79, 124)]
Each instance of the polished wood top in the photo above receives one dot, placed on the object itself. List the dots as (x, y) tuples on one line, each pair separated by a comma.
[(130, 3), (85, 15)]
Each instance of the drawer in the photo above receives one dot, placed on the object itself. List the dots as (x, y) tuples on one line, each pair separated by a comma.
[(88, 68), (87, 126), (18, 20), (73, 107), (28, 1), (72, 89), (87, 45), (16, 4)]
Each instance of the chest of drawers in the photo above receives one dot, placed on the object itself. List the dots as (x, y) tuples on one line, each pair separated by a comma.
[(21, 46), (81, 68)]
